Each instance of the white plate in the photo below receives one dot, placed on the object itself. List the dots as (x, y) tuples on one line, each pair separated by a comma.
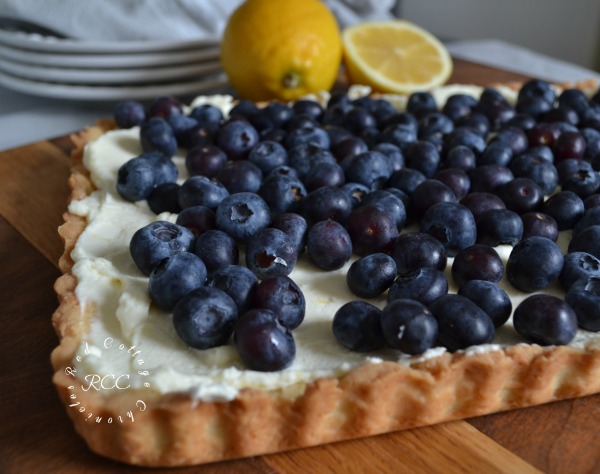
[(96, 93), (110, 76), (109, 60), (37, 42)]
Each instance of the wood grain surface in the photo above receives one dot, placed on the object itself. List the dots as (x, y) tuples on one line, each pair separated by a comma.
[(36, 435)]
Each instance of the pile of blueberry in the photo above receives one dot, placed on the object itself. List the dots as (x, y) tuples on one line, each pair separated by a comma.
[(349, 178)]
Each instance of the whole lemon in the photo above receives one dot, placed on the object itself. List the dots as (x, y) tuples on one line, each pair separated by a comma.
[(281, 49)]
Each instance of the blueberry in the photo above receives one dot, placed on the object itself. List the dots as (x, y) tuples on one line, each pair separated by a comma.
[(591, 201), (458, 105), (240, 176), (415, 250), (400, 134), (565, 207), (489, 178), (242, 215), (328, 245), (356, 191), (205, 318), (477, 262), (584, 297), (567, 168), (534, 264), (337, 134), (387, 201), (300, 121), (129, 113), (522, 120), (306, 135), (263, 342), (429, 193), (424, 285), (324, 174), (284, 297), (271, 252), (327, 202), (216, 249), (456, 179), (356, 326), (545, 320), (479, 201), (243, 108), (575, 99), (584, 183), (357, 119), (540, 171), (273, 115), (164, 198), (207, 114), (513, 137), (267, 155), (578, 265), (164, 106), (537, 88), (434, 123), (156, 241), (238, 282), (521, 195), (452, 224), (461, 322), (569, 144), (205, 160), (409, 326), (590, 217), (295, 226), (306, 155), (136, 179), (499, 226), (174, 277), (309, 107), (394, 154), (182, 126), (349, 146), (371, 275), (477, 122), (371, 229), (421, 103), (543, 134), (490, 298), (587, 240), (422, 156), (538, 223), (157, 135), (461, 157), (236, 138), (283, 192), (195, 135), (371, 168), (496, 153), (406, 179), (198, 219), (201, 191), (467, 137)]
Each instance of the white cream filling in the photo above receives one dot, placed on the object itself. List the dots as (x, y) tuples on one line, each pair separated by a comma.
[(135, 331)]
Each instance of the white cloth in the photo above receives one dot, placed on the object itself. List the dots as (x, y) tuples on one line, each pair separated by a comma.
[(122, 20)]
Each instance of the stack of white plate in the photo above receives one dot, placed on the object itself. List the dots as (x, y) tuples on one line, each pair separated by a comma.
[(77, 70)]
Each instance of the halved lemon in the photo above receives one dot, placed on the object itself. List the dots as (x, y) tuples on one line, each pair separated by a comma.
[(395, 56)]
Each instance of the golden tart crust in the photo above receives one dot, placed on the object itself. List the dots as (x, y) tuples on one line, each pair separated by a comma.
[(375, 398)]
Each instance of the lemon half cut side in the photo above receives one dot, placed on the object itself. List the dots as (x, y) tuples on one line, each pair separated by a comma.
[(395, 56)]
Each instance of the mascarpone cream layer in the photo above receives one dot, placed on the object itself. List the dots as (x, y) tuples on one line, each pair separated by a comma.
[(126, 329)]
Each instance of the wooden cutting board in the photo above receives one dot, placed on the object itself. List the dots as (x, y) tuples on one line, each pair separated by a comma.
[(37, 436)]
